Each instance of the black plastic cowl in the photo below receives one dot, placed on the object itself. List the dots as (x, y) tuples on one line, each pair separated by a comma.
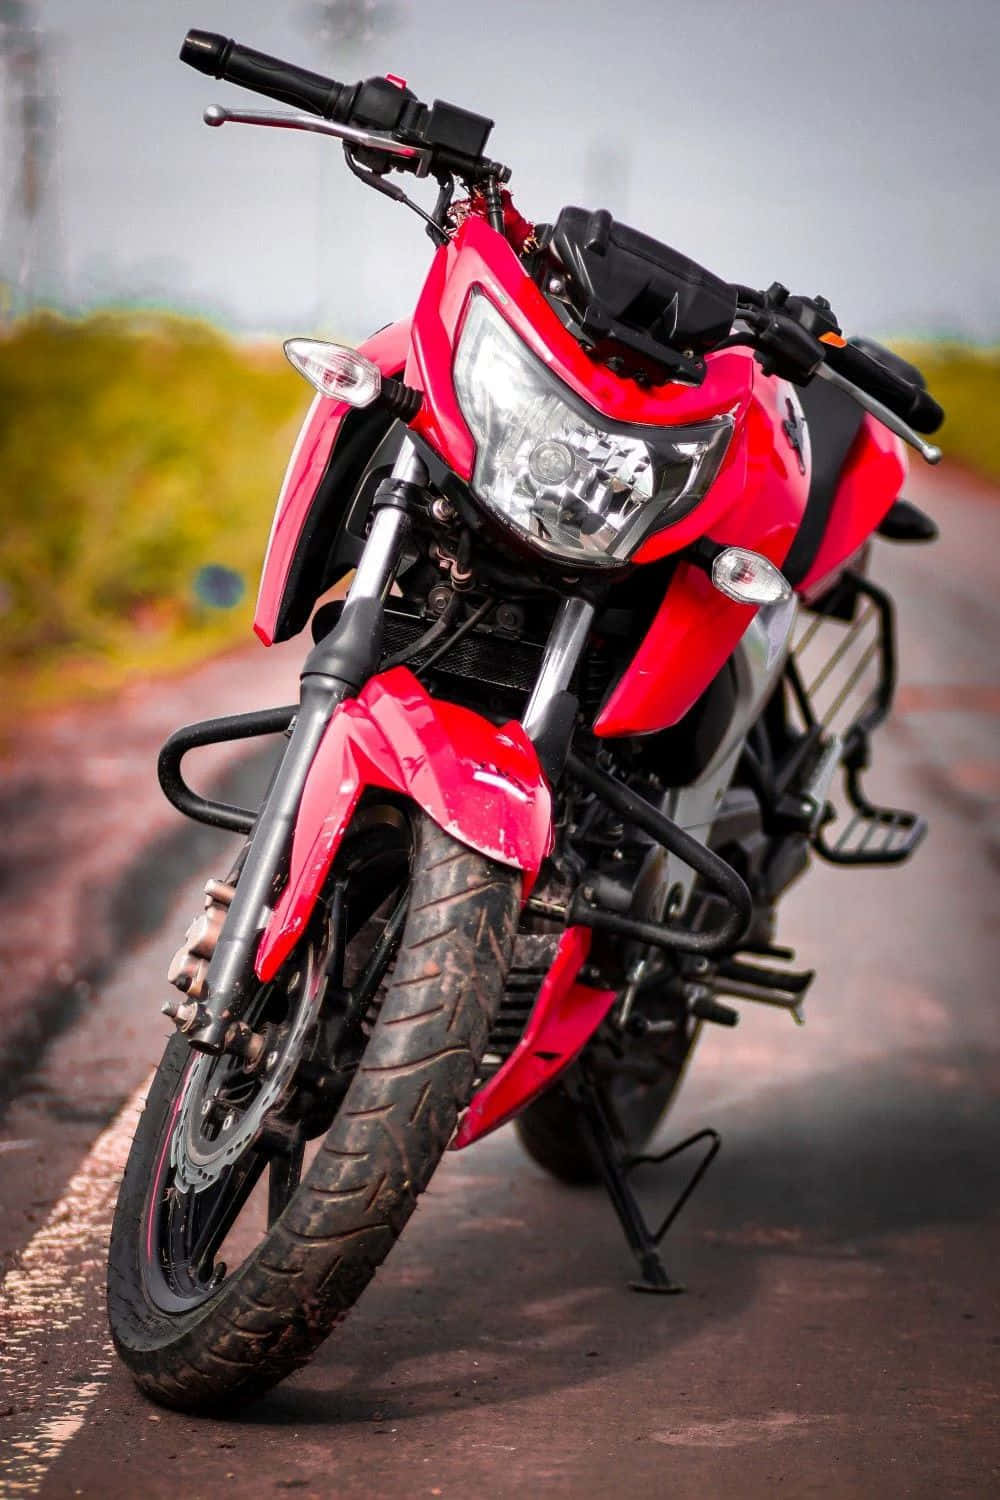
[(639, 284)]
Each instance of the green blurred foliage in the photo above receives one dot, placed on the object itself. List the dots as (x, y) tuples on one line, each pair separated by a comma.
[(133, 451), (966, 381)]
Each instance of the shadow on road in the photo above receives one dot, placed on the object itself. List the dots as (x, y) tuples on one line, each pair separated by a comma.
[(479, 1307)]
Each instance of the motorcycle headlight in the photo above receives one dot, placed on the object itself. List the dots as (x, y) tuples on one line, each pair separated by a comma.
[(577, 485)]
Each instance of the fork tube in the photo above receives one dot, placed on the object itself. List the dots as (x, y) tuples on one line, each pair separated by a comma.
[(335, 668), (563, 648)]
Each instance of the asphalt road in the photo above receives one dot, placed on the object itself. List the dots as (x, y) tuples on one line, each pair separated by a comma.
[(840, 1336)]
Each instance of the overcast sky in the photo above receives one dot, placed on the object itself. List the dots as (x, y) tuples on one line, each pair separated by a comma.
[(844, 146)]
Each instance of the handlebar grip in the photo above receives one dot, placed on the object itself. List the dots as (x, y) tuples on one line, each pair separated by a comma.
[(909, 401), (221, 57)]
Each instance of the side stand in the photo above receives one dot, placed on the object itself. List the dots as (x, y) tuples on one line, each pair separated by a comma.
[(643, 1241)]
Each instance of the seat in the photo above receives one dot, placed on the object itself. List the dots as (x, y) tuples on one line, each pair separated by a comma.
[(834, 422)]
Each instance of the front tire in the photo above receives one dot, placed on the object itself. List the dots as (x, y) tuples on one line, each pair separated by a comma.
[(416, 1072)]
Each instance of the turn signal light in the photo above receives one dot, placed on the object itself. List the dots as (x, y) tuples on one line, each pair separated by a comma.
[(749, 578), (335, 371)]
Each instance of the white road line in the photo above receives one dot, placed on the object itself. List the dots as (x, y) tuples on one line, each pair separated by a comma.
[(48, 1304)]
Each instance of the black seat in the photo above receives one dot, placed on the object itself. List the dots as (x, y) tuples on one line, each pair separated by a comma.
[(834, 421)]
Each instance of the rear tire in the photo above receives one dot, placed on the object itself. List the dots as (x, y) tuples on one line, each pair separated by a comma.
[(549, 1129), (395, 1121)]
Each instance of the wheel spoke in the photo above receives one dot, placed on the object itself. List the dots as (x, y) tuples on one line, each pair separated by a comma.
[(283, 1179), (379, 959), (315, 1015), (338, 936), (227, 1202)]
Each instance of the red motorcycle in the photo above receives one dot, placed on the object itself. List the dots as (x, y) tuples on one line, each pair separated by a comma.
[(609, 643)]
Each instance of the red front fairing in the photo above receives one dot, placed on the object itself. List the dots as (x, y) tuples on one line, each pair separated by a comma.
[(565, 1017), (306, 467), (873, 476), (480, 783), (480, 258), (756, 501)]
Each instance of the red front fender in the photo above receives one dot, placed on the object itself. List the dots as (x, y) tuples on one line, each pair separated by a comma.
[(480, 783)]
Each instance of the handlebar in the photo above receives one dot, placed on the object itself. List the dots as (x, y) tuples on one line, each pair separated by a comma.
[(797, 337), (221, 57), (904, 397), (451, 138)]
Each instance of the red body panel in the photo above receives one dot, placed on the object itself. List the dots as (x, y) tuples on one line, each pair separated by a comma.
[(873, 476), (564, 1018), (306, 468), (757, 499), (695, 631), (481, 783), (480, 258)]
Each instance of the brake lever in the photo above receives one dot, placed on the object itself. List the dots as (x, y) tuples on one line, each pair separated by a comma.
[(218, 114), (927, 451)]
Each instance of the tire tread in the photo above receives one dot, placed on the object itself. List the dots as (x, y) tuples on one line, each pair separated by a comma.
[(397, 1118)]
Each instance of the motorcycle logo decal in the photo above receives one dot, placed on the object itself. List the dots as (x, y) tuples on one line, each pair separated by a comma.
[(795, 429)]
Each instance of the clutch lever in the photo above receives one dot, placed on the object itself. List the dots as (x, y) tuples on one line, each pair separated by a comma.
[(218, 114), (888, 418)]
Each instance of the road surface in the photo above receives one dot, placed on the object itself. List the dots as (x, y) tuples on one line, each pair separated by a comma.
[(840, 1336)]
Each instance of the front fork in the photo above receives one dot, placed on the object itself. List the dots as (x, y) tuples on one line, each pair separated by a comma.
[(335, 669)]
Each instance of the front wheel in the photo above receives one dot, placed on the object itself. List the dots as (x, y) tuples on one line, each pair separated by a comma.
[(197, 1335)]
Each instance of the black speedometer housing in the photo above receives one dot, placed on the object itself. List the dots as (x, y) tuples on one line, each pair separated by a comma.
[(629, 288)]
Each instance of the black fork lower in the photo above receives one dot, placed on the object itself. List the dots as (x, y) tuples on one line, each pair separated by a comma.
[(335, 668)]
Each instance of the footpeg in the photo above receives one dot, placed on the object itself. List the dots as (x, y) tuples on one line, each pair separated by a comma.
[(870, 835), (784, 989), (785, 981), (706, 1008)]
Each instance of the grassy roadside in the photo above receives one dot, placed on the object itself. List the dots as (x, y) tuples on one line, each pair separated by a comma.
[(966, 381), (137, 451), (133, 454)]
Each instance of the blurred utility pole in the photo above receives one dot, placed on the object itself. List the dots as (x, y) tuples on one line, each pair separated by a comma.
[(26, 184), (340, 26)]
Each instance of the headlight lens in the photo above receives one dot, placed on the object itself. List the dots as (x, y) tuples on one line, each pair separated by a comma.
[(573, 483)]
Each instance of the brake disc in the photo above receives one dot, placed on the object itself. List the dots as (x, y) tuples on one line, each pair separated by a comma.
[(199, 1162)]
